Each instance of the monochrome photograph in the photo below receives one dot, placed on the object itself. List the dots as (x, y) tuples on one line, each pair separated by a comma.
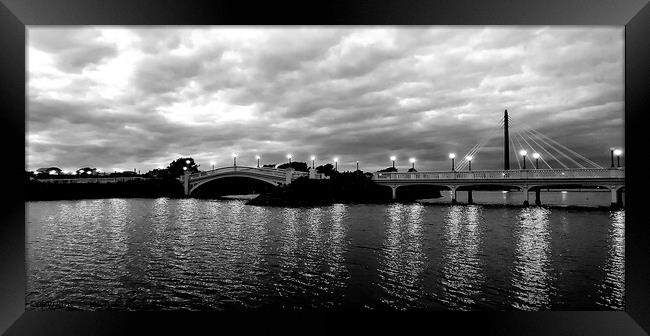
[(325, 168)]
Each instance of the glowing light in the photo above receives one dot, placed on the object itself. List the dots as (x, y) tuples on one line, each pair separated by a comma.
[(618, 152), (257, 157), (187, 161), (184, 168), (452, 155), (234, 155), (289, 156), (411, 160), (336, 159), (393, 158), (89, 172), (536, 155), (212, 163), (522, 152), (52, 172), (469, 158), (504, 191), (564, 191), (313, 157)]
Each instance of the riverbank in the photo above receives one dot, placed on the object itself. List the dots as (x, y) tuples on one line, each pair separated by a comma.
[(152, 188)]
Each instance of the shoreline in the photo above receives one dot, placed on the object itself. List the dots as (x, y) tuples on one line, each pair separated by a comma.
[(292, 204)]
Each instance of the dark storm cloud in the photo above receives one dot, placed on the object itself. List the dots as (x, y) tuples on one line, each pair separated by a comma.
[(139, 98), (73, 49)]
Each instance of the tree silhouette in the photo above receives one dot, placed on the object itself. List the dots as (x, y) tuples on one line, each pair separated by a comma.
[(175, 168), (299, 166), (388, 170), (327, 169)]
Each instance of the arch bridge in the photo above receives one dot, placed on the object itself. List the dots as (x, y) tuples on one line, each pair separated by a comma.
[(522, 179), (273, 176)]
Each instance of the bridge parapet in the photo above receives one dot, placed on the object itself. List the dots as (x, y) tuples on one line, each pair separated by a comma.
[(280, 173), (582, 173)]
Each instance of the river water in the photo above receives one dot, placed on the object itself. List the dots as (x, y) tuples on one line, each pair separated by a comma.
[(191, 254)]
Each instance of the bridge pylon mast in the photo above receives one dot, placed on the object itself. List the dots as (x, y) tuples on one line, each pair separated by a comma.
[(506, 147)]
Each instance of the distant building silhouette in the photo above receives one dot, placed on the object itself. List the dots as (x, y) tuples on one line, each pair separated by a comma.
[(49, 171)]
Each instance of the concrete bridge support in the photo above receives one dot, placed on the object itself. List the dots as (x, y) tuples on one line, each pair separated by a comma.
[(617, 199), (453, 194), (525, 191), (394, 190), (470, 199), (186, 183), (538, 202)]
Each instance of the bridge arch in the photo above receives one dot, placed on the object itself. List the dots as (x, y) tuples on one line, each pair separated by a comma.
[(197, 185)]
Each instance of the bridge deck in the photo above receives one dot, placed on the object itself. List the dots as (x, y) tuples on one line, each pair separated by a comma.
[(504, 175), (266, 171)]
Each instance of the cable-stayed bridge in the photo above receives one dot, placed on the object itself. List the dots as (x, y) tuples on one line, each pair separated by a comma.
[(561, 167)]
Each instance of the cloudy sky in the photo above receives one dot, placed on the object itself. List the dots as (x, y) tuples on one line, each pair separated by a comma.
[(132, 97)]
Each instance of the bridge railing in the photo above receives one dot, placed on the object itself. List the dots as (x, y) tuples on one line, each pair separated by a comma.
[(267, 171), (503, 174)]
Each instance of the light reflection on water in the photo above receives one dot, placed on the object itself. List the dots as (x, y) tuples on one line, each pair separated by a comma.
[(144, 254), (532, 281), (613, 287), (403, 259), (461, 275)]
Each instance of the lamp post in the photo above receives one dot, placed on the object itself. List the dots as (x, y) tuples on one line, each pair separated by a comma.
[(412, 160), (289, 157), (212, 163), (357, 165), (313, 159), (234, 160), (611, 152), (523, 153), (393, 158), (536, 156), (469, 160), (452, 156), (258, 160), (618, 153), (336, 164)]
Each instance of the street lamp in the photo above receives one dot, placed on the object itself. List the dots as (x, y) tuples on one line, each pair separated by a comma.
[(258, 160), (393, 158), (469, 160), (234, 159), (611, 152), (618, 153), (412, 160), (184, 168), (289, 157), (536, 156), (187, 161), (452, 156), (523, 153), (212, 163), (336, 163), (357, 165), (313, 159)]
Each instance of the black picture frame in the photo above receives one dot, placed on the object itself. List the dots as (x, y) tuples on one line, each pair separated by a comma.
[(15, 15)]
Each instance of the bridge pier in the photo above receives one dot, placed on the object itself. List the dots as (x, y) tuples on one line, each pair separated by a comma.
[(186, 183), (617, 199), (538, 202), (394, 189), (453, 194), (470, 199), (525, 191)]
